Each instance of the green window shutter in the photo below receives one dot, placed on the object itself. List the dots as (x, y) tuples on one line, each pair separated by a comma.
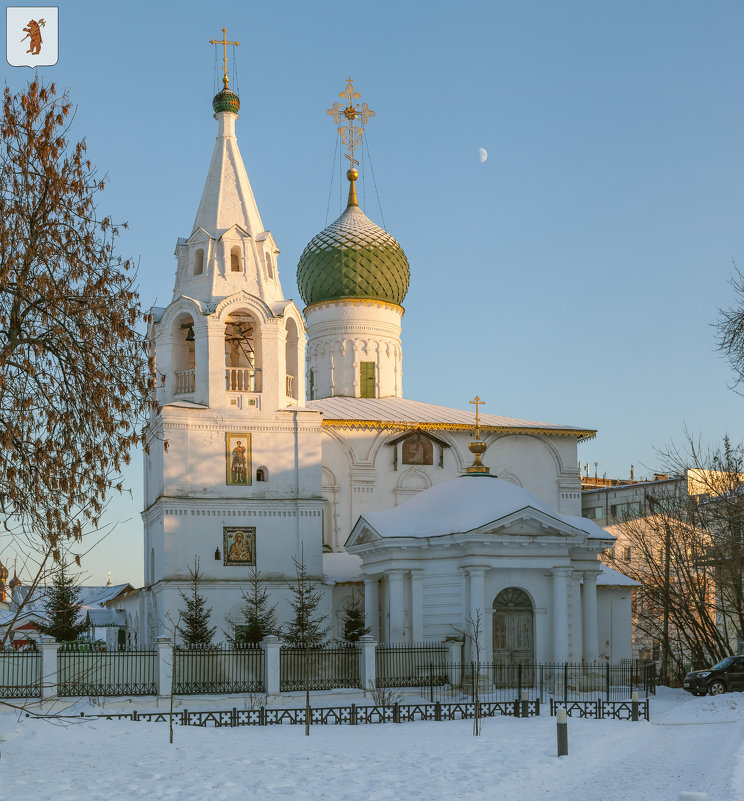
[(367, 379)]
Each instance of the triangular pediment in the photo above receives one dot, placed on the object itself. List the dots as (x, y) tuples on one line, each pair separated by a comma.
[(529, 522), (362, 534), (413, 432), (198, 235), (236, 232)]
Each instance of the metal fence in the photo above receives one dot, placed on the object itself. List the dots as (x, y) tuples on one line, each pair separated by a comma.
[(218, 669), (326, 668), (84, 669), (419, 665), (20, 674), (498, 682)]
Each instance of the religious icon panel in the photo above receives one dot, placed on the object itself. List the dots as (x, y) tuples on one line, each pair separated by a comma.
[(238, 459), (239, 545)]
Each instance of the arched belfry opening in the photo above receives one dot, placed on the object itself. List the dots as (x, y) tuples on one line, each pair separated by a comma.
[(513, 628), (292, 355), (183, 355), (242, 353)]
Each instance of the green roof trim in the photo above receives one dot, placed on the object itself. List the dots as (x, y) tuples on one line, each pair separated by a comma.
[(226, 101), (353, 258)]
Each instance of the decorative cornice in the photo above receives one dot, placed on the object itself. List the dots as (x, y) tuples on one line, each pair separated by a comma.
[(385, 304), (580, 434)]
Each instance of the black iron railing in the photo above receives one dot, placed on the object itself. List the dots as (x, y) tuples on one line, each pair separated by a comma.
[(218, 669), (325, 668), (88, 669), (418, 665), (543, 681), (20, 674)]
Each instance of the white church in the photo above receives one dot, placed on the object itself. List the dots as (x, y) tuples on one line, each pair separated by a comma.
[(284, 434)]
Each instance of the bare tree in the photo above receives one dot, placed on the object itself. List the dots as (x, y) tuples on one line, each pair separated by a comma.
[(74, 377), (685, 550), (730, 327), (473, 636)]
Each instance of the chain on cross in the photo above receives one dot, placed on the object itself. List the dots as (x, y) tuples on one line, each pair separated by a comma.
[(224, 44), (351, 136)]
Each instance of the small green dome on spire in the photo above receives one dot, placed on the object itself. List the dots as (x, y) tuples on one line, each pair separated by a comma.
[(226, 101), (353, 258)]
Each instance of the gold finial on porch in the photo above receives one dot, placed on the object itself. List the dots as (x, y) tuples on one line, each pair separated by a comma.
[(477, 447)]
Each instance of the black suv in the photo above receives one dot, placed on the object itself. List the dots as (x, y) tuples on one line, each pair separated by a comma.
[(728, 674)]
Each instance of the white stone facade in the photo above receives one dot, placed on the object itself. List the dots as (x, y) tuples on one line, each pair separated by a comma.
[(344, 334)]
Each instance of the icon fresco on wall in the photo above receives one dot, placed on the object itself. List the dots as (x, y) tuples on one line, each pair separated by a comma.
[(32, 36), (238, 459), (239, 545), (417, 449)]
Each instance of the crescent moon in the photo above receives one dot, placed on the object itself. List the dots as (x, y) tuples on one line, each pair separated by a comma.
[(483, 153)]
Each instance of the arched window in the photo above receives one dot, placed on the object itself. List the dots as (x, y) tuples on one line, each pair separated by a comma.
[(269, 266), (183, 355), (292, 358), (199, 262), (235, 260), (242, 353), (262, 474)]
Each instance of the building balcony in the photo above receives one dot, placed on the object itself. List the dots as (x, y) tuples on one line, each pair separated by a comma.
[(242, 379), (185, 382)]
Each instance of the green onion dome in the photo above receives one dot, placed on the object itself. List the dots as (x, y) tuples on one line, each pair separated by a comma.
[(353, 258), (226, 101)]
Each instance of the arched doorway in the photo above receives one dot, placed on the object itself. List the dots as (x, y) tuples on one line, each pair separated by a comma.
[(513, 628)]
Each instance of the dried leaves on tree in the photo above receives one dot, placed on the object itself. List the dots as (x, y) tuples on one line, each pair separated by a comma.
[(74, 377)]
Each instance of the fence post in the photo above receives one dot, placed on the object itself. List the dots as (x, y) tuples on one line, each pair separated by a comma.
[(271, 646), (454, 661), (48, 673), (367, 664), (565, 681), (634, 706), (607, 681), (166, 655)]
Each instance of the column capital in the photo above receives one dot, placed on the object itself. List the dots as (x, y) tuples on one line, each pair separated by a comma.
[(590, 576), (563, 572)]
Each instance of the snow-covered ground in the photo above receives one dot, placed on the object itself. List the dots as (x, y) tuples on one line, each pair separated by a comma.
[(691, 744)]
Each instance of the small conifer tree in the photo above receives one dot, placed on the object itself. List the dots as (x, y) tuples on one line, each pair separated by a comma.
[(259, 619), (308, 627), (354, 627), (195, 628), (63, 607)]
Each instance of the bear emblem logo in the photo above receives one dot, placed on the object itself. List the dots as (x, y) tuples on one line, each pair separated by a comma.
[(32, 36), (33, 32)]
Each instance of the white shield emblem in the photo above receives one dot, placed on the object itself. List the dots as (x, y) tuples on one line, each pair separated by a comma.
[(32, 36)]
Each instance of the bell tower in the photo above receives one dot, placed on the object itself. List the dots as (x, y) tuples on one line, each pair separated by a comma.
[(233, 474)]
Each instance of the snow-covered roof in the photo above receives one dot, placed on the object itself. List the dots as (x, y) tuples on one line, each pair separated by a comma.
[(612, 578), (467, 503), (404, 413), (341, 567), (87, 595), (100, 618)]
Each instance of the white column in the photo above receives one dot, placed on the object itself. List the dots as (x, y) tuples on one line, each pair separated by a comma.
[(476, 576), (417, 605), (560, 613), (164, 646), (395, 598), (271, 645), (367, 667), (371, 606), (589, 610), (49, 647)]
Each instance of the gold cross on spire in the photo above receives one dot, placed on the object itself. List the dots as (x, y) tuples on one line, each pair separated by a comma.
[(224, 44), (351, 137), (478, 402)]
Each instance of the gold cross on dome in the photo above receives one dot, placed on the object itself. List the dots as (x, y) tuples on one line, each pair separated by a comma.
[(224, 44), (345, 115), (478, 403)]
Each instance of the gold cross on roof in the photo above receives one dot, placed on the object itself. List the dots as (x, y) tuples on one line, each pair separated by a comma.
[(351, 137), (478, 403), (224, 44)]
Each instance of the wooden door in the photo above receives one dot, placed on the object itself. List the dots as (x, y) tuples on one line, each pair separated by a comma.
[(513, 627)]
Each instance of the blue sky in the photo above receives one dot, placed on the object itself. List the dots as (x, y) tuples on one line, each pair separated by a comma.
[(571, 278)]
